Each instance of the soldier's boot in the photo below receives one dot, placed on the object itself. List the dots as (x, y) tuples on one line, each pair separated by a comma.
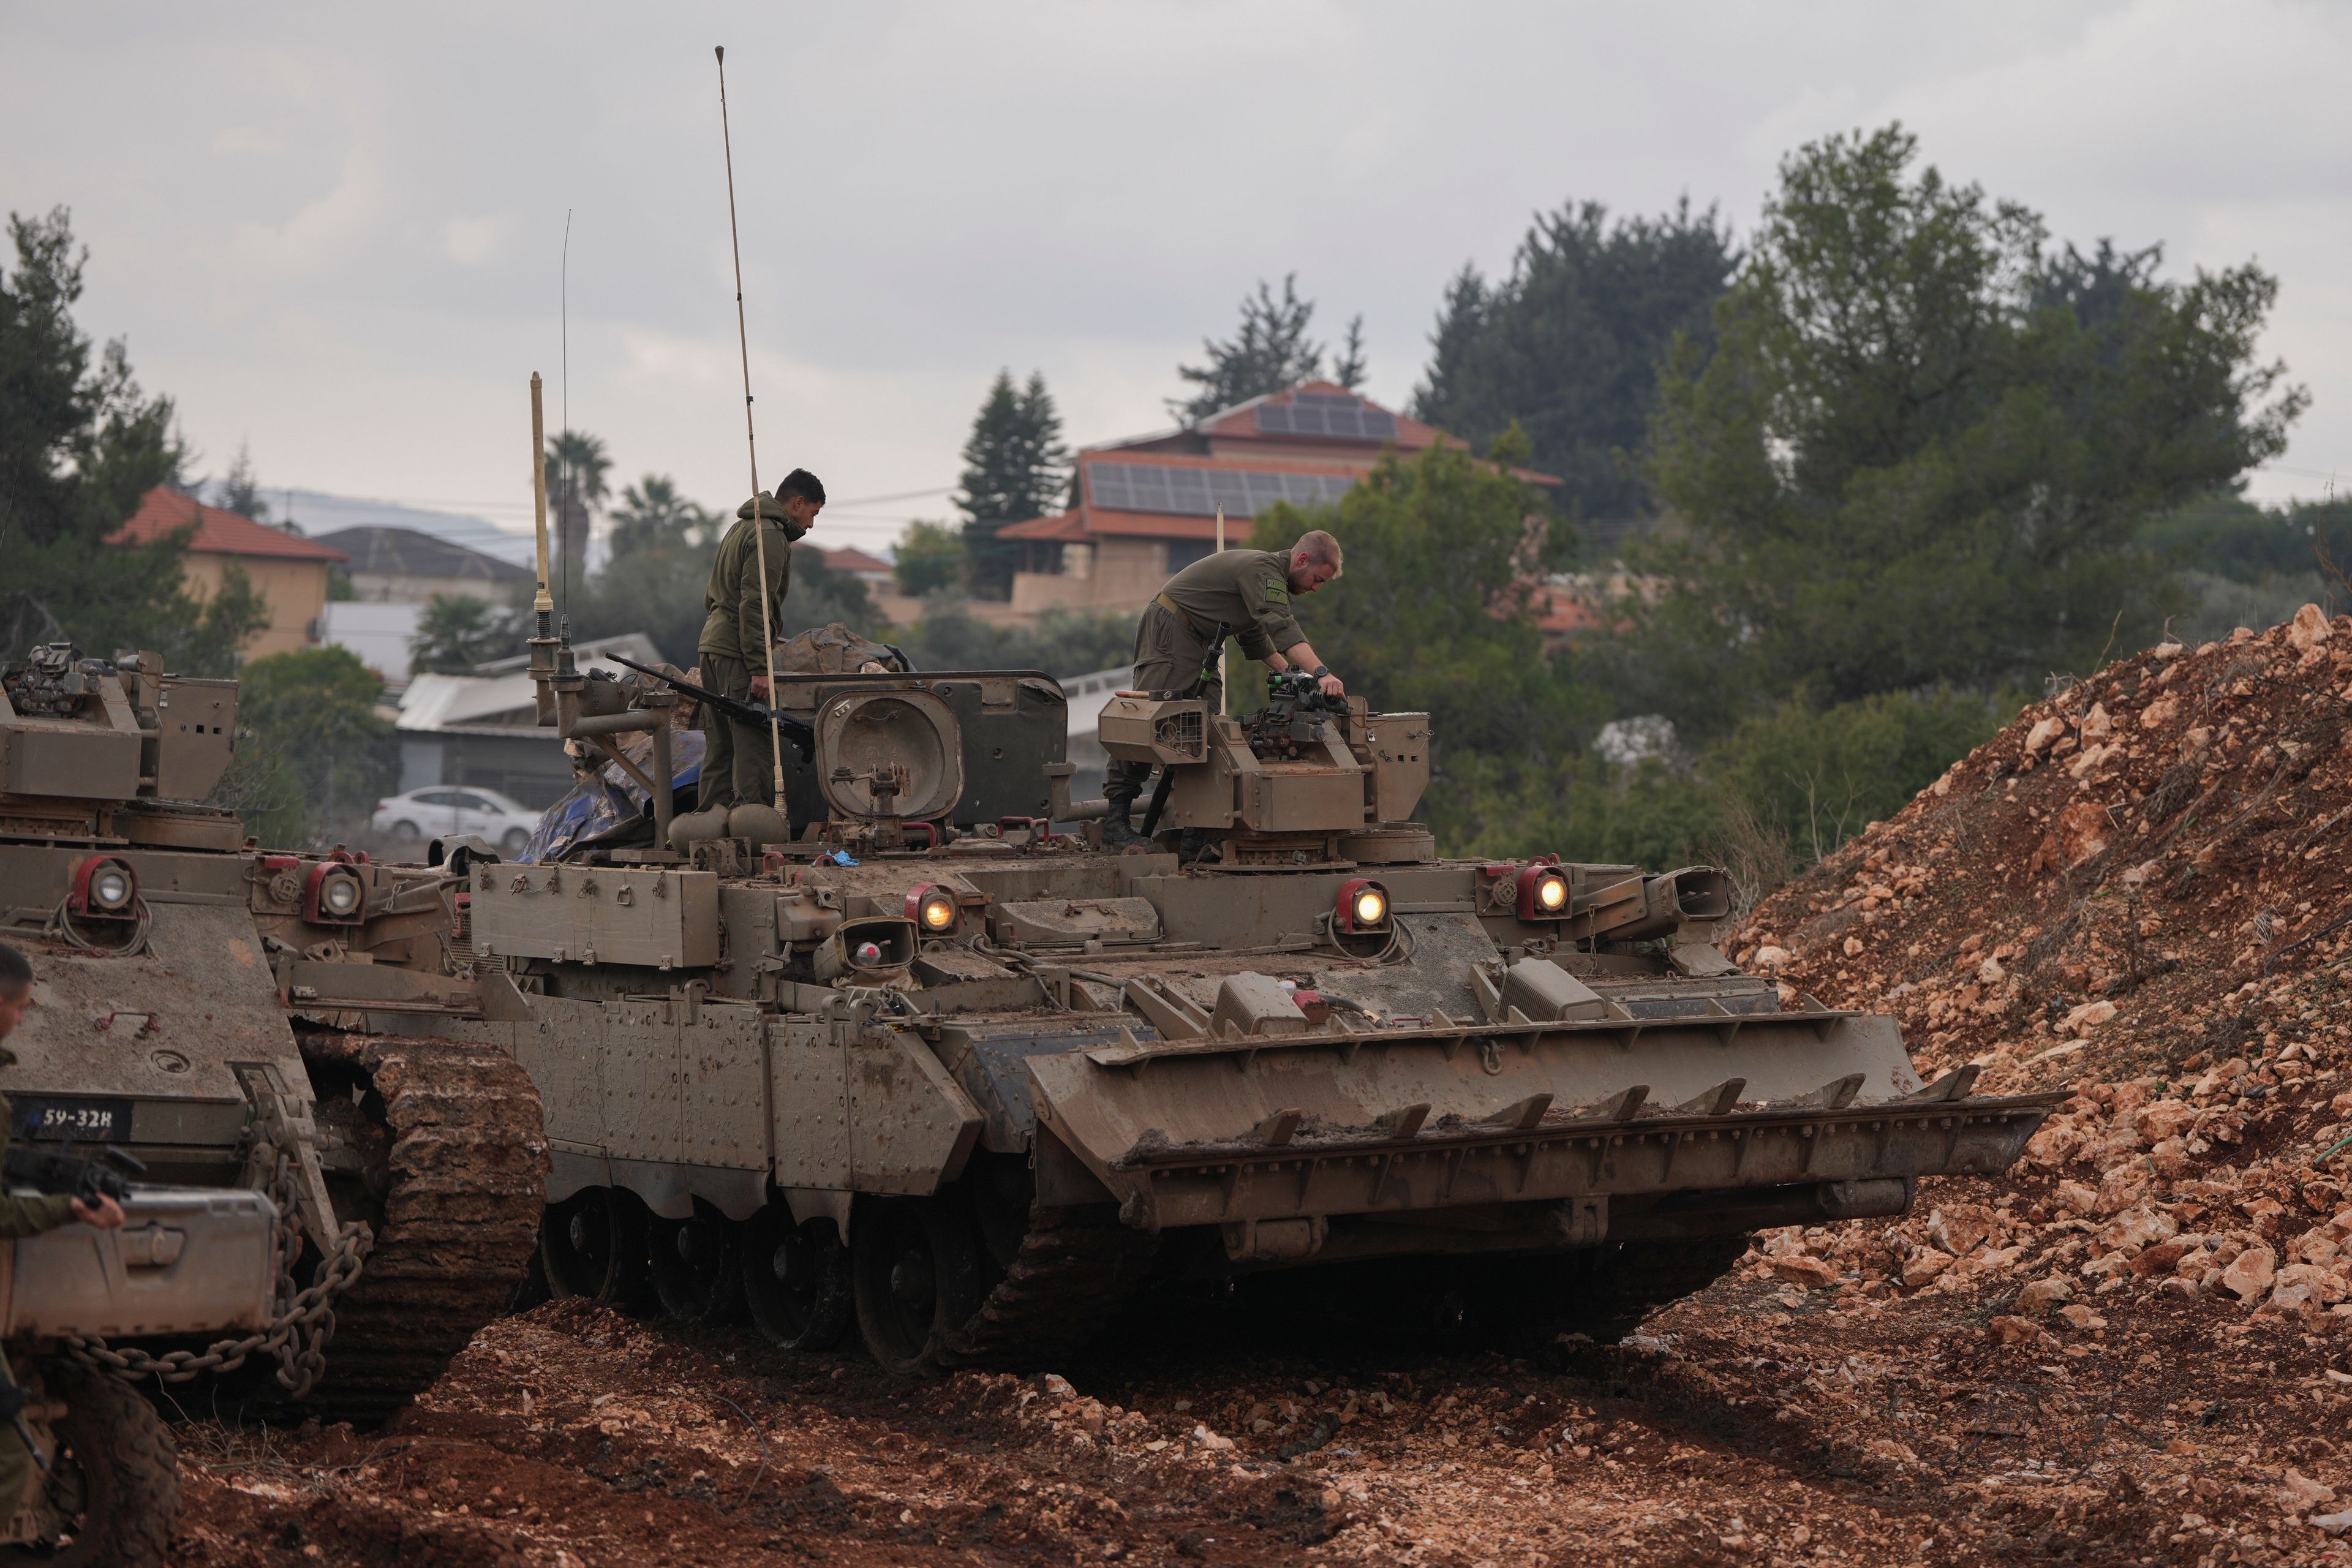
[(1119, 789)]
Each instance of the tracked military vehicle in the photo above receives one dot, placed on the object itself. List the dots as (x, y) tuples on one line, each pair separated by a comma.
[(939, 1066), (177, 1016)]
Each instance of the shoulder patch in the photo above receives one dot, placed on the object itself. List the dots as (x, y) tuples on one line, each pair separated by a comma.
[(1277, 591)]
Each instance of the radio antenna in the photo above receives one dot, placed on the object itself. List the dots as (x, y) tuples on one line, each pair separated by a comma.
[(563, 441), (751, 445)]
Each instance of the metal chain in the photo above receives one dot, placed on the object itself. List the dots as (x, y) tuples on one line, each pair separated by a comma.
[(301, 1320)]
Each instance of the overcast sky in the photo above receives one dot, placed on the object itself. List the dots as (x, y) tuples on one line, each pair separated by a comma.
[(334, 232)]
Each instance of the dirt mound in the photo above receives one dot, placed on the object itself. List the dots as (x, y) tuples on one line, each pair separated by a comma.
[(2142, 889)]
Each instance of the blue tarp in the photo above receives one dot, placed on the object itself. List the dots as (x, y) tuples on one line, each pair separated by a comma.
[(597, 804)]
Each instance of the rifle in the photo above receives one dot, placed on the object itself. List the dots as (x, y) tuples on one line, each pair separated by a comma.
[(802, 733), (107, 1176)]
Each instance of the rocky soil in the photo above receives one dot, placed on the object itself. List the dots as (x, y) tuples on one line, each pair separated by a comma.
[(2136, 1350)]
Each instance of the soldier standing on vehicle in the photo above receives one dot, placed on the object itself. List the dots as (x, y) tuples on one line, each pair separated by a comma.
[(737, 766), (29, 1215), (1233, 593)]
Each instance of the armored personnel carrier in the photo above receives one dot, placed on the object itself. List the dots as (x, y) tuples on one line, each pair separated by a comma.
[(177, 1017), (940, 1067)]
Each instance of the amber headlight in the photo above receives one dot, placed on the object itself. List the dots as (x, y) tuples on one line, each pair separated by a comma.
[(932, 909), (1363, 906), (1543, 893)]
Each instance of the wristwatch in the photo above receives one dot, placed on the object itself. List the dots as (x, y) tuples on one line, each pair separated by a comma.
[(1321, 670)]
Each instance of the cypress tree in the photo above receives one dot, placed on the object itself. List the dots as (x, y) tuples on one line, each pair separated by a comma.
[(1015, 467)]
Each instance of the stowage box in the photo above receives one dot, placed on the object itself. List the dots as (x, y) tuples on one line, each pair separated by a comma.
[(604, 914)]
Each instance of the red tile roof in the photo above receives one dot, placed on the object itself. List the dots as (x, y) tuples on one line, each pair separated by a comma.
[(853, 559), (1065, 526), (218, 532)]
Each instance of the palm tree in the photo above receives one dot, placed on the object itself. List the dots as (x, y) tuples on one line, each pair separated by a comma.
[(652, 514), (576, 466)]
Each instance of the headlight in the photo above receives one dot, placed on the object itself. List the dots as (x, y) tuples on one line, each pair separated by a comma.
[(104, 885), (339, 895), (1543, 893), (932, 909), (332, 893), (110, 889), (1363, 906)]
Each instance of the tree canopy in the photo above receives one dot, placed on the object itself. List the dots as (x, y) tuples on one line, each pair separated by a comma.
[(1015, 467), (652, 513), (1922, 447), (577, 467), (80, 444), (316, 755), (929, 559), (1568, 345), (240, 492), (1271, 351)]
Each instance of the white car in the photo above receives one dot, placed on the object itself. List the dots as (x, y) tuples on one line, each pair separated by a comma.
[(449, 811)]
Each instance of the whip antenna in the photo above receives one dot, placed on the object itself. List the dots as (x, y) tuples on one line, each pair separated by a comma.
[(563, 307), (751, 445)]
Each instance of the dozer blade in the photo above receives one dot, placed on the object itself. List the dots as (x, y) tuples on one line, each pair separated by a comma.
[(1282, 1126)]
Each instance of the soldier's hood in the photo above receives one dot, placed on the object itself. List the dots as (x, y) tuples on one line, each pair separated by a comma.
[(773, 511)]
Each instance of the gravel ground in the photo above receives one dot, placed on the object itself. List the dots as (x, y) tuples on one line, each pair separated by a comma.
[(2137, 1349)]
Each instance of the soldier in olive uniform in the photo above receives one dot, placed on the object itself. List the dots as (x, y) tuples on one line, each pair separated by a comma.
[(33, 1215), (1235, 592), (738, 765)]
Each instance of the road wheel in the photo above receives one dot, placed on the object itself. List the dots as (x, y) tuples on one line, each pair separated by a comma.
[(406, 832), (914, 1265), (113, 1491), (514, 843), (593, 1244), (796, 1280), (697, 1266)]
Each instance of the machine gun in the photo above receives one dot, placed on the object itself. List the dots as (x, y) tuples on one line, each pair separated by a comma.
[(1293, 717), (798, 730), (107, 1177)]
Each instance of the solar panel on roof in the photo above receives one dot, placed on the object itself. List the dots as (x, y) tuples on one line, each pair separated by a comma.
[(1334, 414), (1198, 492)]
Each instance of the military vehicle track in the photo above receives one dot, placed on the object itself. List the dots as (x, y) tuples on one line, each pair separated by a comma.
[(456, 1170), (1075, 1269)]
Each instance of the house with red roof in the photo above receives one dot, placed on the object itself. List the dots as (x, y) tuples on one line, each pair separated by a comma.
[(876, 573), (286, 569), (1147, 507)]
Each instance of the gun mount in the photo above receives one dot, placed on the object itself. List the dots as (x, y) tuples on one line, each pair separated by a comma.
[(1306, 780)]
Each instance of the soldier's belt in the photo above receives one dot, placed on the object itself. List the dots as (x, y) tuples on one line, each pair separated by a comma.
[(1215, 633)]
